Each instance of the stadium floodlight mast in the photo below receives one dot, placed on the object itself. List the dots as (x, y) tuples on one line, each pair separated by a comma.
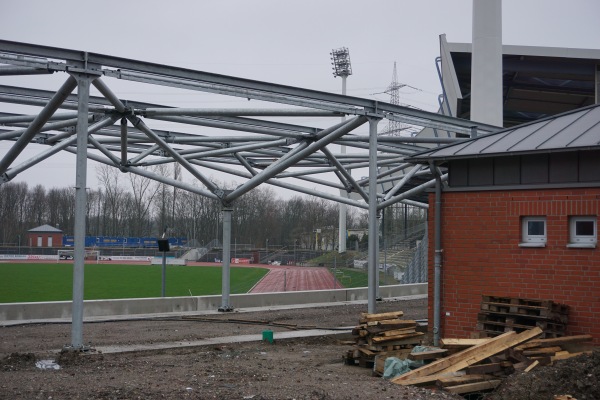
[(340, 59)]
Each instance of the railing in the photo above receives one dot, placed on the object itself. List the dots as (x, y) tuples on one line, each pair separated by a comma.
[(416, 271)]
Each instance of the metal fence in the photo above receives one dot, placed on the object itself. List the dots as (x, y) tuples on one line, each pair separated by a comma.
[(416, 271)]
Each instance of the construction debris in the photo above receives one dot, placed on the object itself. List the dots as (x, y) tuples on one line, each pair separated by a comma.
[(461, 366), (383, 335), (485, 362)]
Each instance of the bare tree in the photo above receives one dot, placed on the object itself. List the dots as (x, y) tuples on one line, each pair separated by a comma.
[(108, 177), (144, 191)]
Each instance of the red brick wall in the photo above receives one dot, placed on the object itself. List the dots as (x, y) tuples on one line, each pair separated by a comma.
[(56, 239), (481, 232)]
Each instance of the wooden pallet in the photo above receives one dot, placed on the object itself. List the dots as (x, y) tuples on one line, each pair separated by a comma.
[(526, 304), (503, 314)]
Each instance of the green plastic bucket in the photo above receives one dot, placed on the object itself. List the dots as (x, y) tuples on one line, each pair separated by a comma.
[(267, 336)]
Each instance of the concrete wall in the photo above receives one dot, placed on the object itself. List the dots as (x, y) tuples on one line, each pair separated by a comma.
[(106, 308)]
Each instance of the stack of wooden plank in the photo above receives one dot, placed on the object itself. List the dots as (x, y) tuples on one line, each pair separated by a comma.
[(503, 314), (477, 365), (382, 335)]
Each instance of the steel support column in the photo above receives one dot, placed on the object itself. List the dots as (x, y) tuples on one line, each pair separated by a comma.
[(373, 233), (83, 93), (343, 209), (225, 279)]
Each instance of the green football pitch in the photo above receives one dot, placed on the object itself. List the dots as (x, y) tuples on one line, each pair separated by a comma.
[(54, 282)]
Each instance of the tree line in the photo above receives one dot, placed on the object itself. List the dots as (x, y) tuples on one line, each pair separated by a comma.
[(131, 205)]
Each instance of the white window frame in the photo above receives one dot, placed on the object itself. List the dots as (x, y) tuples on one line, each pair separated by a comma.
[(528, 240), (582, 241)]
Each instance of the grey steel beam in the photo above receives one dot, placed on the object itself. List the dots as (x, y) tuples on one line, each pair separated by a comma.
[(8, 119), (416, 190), (109, 95), (235, 112), (104, 150), (138, 123), (294, 156), (270, 129), (10, 70), (415, 203), (246, 164), (151, 175), (345, 173), (373, 233), (38, 123), (123, 141), (144, 154), (193, 153), (14, 171), (37, 97), (47, 127), (179, 77), (319, 170), (405, 139), (402, 182), (281, 184), (382, 110)]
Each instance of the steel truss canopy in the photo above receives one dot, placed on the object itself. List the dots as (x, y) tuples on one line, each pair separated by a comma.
[(257, 145)]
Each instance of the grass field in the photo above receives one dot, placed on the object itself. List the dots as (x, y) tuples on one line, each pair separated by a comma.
[(54, 282), (353, 278)]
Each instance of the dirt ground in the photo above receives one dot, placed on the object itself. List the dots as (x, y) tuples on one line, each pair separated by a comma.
[(301, 368)]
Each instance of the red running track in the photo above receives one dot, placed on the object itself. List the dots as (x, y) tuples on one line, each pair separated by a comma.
[(287, 278)]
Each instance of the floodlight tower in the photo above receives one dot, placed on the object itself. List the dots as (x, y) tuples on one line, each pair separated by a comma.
[(340, 59)]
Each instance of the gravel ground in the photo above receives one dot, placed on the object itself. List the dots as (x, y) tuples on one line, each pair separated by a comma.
[(301, 368), (304, 368)]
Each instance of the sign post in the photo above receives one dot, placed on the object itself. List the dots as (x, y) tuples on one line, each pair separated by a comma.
[(163, 245)]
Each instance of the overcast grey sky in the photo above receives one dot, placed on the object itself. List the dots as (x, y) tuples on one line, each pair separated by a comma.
[(285, 42)]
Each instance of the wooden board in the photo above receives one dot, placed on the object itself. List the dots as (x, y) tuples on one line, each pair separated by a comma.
[(472, 355), (488, 368), (473, 387), (462, 380), (554, 341), (411, 338), (398, 332), (447, 343), (566, 354), (542, 351), (404, 323), (428, 355), (427, 380), (365, 317), (531, 366)]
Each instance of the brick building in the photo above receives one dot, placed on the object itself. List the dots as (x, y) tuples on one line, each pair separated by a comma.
[(45, 236), (519, 218)]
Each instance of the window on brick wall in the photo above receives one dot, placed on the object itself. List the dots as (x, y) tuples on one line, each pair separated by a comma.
[(583, 231), (533, 232)]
